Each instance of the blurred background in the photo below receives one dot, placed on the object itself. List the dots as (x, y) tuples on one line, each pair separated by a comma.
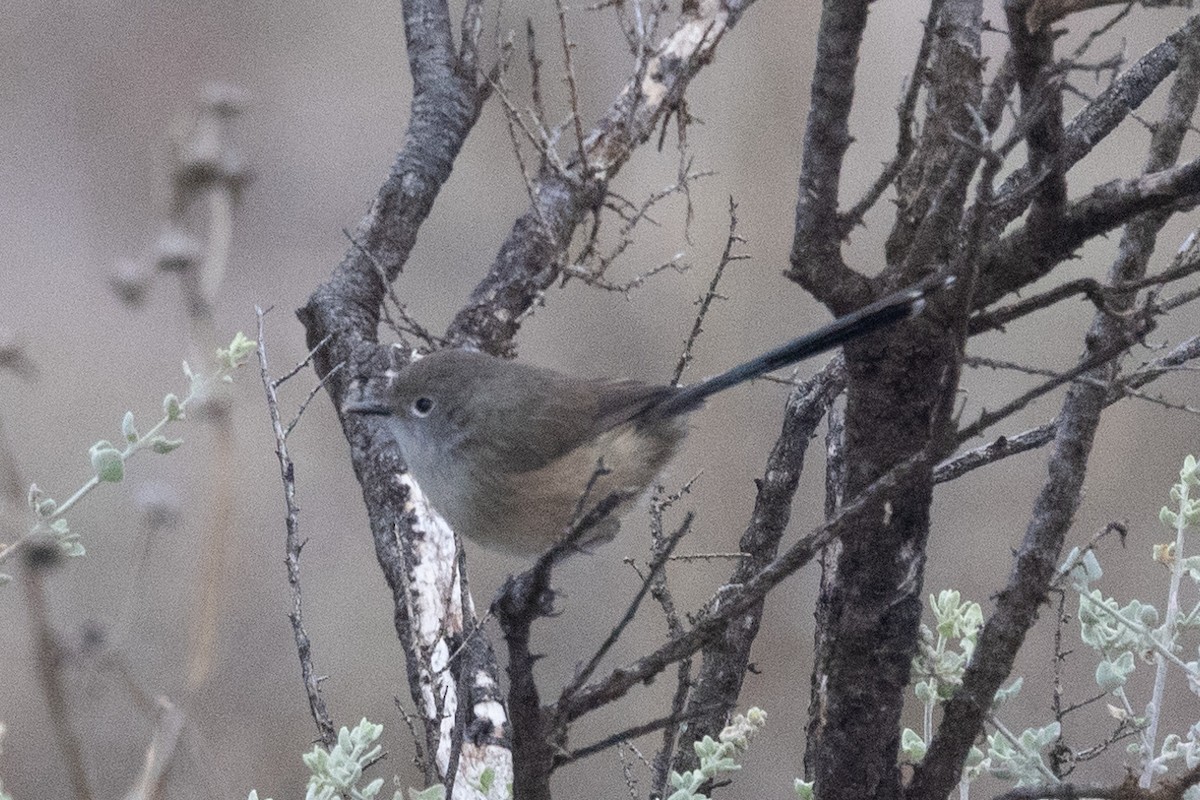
[(91, 93)]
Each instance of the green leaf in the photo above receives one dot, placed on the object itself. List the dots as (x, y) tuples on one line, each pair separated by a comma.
[(35, 496), (72, 548), (1168, 518), (1112, 674), (1191, 565), (239, 350), (1006, 693), (912, 746), (172, 409), (1188, 473), (128, 429), (163, 445), (107, 462)]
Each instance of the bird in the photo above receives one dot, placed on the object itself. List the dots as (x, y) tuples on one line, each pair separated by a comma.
[(512, 455)]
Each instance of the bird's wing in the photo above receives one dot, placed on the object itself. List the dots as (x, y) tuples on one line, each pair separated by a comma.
[(566, 415)]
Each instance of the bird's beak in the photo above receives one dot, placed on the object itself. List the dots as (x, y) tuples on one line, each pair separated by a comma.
[(366, 406)]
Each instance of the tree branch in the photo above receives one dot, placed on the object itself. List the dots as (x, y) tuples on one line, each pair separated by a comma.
[(1022, 256), (1005, 446), (816, 261), (733, 601), (345, 309), (531, 258), (1018, 603), (1095, 122), (719, 681), (326, 730)]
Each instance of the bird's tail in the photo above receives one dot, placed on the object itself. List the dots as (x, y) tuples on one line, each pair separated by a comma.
[(885, 311)]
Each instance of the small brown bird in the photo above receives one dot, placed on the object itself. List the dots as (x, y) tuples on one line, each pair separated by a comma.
[(506, 451)]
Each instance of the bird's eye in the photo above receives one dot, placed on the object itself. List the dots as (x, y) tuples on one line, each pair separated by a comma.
[(422, 406)]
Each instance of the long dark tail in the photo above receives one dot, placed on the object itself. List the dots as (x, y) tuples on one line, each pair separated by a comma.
[(882, 312)]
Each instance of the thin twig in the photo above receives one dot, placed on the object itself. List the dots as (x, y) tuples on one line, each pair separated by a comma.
[(706, 301), (1005, 446), (512, 118), (737, 599), (567, 47), (593, 279), (522, 600), (661, 550), (632, 732), (291, 373), (414, 327), (1186, 264), (905, 143), (311, 394), (627, 772), (989, 418), (419, 760), (632, 216), (1098, 33), (535, 73), (326, 730), (656, 567), (689, 557)]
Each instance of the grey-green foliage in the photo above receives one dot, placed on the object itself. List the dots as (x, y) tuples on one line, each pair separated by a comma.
[(718, 757), (108, 459), (942, 658), (1136, 633), (1124, 635), (336, 773)]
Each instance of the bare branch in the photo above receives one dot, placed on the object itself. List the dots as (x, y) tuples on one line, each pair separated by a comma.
[(1187, 263), (656, 567), (160, 753), (736, 600), (1094, 359), (568, 64), (1022, 257), (621, 737), (816, 261), (1005, 446), (530, 260), (50, 656), (311, 394), (1090, 126), (1041, 105), (706, 301), (326, 730), (469, 31), (524, 598), (1036, 560), (726, 659), (905, 143)]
